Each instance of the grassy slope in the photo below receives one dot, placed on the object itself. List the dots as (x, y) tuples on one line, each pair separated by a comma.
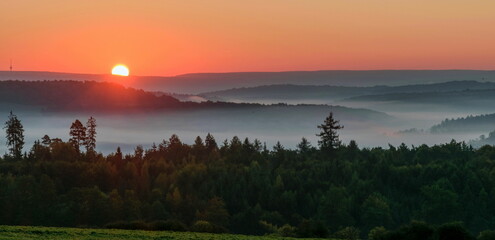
[(53, 233)]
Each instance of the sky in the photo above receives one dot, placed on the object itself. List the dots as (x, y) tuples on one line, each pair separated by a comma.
[(162, 38)]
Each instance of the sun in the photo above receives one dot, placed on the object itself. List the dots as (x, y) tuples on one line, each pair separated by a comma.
[(120, 70)]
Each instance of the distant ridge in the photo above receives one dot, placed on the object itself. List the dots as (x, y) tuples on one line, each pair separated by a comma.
[(107, 98), (288, 92), (483, 122), (204, 82)]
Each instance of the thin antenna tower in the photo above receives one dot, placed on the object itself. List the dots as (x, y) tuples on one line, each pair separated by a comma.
[(11, 65)]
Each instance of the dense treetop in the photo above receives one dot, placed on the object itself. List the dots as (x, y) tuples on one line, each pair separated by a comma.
[(240, 186)]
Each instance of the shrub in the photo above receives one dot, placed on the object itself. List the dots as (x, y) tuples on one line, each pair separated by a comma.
[(348, 233), (270, 228), (377, 233), (287, 231), (205, 226)]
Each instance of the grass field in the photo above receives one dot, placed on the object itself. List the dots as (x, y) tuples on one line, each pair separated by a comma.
[(54, 233)]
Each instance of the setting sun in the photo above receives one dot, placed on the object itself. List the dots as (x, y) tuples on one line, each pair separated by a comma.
[(120, 70)]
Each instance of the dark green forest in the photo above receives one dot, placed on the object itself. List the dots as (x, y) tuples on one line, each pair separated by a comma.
[(240, 186)]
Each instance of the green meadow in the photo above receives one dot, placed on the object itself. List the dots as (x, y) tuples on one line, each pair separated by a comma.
[(55, 233)]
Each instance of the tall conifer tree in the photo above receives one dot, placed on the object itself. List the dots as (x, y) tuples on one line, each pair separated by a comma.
[(91, 134), (15, 135), (329, 139), (77, 134)]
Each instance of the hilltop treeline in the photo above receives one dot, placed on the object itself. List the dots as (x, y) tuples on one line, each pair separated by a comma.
[(241, 186), (93, 96), (284, 92), (483, 122)]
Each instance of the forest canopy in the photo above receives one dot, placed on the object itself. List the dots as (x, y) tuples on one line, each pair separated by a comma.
[(241, 186)]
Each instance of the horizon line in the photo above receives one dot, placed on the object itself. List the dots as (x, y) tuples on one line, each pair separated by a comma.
[(231, 72)]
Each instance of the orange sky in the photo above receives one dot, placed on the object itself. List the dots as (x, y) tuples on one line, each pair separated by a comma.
[(159, 37)]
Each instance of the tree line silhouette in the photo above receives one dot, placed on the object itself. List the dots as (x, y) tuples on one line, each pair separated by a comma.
[(483, 121), (241, 186), (62, 95)]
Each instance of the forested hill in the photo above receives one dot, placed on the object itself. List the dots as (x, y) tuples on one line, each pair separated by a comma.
[(77, 95), (473, 100), (484, 122), (242, 187), (206, 82), (450, 97), (328, 92), (67, 95)]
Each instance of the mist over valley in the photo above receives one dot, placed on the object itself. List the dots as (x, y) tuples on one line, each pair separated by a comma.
[(374, 116)]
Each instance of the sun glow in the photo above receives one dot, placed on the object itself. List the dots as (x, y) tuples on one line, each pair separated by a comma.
[(120, 70)]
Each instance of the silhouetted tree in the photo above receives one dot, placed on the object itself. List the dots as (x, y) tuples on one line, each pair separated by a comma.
[(77, 134), (91, 134), (329, 139), (46, 140), (304, 145), (198, 146), (174, 141), (118, 154), (138, 152), (278, 147), (257, 145), (15, 135), (210, 143)]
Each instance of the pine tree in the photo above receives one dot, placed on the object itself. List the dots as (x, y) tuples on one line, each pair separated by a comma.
[(139, 152), (118, 153), (257, 145), (304, 145), (210, 143), (77, 134), (329, 139), (174, 141), (15, 135), (198, 146), (91, 134), (278, 147), (198, 142)]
